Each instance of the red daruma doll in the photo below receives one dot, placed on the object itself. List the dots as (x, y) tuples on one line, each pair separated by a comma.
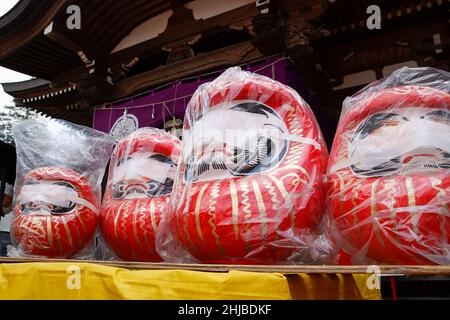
[(140, 181), (249, 187), (57, 199), (389, 171)]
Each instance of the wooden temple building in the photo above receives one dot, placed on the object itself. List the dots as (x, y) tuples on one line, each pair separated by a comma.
[(126, 47)]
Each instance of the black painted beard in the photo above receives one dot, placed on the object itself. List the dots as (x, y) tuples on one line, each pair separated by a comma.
[(242, 162), (36, 207), (53, 209), (406, 164), (148, 189)]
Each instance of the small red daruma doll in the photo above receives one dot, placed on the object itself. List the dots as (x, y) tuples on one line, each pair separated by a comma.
[(56, 213), (249, 188), (57, 197), (389, 171), (140, 181)]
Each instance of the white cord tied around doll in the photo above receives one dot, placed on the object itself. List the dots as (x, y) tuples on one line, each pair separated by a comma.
[(50, 193), (412, 137)]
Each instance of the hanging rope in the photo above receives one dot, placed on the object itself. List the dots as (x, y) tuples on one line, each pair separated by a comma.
[(174, 100), (165, 107), (164, 115)]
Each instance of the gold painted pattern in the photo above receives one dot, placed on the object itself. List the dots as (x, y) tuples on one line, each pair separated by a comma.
[(83, 226), (391, 191), (435, 183), (116, 219), (153, 214), (141, 220), (296, 180), (354, 211), (77, 231), (36, 228), (49, 232), (294, 123), (27, 226), (288, 200), (58, 236), (197, 210), (341, 194), (262, 208), (185, 224), (246, 210), (69, 235), (293, 159), (124, 219), (296, 151), (135, 213), (373, 212), (215, 190), (235, 208), (273, 195), (412, 203)]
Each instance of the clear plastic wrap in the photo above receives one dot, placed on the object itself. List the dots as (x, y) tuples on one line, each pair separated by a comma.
[(57, 195), (249, 185), (389, 171), (140, 180)]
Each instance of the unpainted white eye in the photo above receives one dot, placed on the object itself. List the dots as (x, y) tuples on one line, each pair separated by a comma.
[(152, 186)]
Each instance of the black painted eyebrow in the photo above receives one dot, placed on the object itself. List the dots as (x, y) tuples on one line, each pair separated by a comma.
[(122, 160), (251, 107), (373, 123), (256, 108), (162, 158), (272, 125), (439, 113)]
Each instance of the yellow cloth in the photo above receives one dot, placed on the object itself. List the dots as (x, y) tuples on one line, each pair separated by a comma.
[(94, 281)]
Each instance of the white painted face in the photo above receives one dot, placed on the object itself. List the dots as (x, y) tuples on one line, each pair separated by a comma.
[(143, 175), (400, 141), (237, 138), (47, 198)]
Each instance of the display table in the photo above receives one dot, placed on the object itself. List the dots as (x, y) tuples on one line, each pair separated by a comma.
[(62, 279)]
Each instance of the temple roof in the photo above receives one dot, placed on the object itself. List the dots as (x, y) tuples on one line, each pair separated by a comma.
[(25, 48), (17, 88)]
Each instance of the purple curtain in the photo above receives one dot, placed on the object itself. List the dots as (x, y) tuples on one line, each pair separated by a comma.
[(155, 107)]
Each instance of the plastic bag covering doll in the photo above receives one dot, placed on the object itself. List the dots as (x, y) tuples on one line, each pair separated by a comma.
[(249, 188), (57, 198), (389, 170), (140, 181)]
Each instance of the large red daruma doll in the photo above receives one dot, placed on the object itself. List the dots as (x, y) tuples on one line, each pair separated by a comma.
[(249, 189), (56, 213), (389, 171), (140, 181)]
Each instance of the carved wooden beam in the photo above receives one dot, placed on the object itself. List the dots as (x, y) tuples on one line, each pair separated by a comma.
[(233, 55), (73, 40), (374, 51), (407, 35)]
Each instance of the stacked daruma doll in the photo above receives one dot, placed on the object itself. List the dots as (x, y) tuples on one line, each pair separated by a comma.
[(57, 200), (249, 186), (140, 181), (389, 171)]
